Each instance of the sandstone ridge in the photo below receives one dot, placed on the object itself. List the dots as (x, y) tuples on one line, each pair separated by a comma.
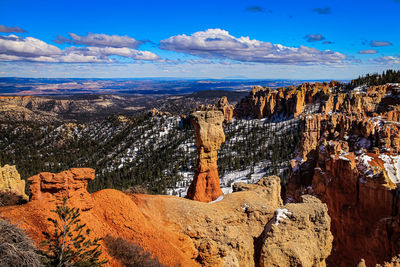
[(250, 227)]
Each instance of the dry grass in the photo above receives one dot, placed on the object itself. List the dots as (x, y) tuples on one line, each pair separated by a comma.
[(16, 248), (136, 189), (10, 199), (129, 254)]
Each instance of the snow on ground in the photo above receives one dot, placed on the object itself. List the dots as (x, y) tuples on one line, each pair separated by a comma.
[(343, 158), (364, 165), (281, 214), (218, 199), (236, 132), (392, 166), (244, 176)]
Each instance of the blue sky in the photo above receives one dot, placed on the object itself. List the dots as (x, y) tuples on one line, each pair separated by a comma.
[(326, 39)]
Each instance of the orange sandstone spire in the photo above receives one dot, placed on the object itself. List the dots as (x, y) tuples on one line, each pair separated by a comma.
[(209, 137)]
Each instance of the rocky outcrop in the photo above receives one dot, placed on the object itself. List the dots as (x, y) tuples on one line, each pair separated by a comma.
[(226, 108), (293, 231), (291, 101), (210, 135), (318, 97), (245, 228), (348, 158), (10, 181), (71, 185), (155, 112), (222, 105)]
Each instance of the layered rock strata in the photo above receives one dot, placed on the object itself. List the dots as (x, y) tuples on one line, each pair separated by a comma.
[(210, 135), (249, 227), (226, 108)]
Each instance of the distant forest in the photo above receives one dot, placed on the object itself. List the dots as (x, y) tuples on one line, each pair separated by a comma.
[(388, 76)]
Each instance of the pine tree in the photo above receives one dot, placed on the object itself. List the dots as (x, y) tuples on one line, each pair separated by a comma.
[(68, 245)]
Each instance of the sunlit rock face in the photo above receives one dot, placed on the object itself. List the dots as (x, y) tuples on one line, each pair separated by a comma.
[(10, 181), (291, 101), (210, 135), (349, 158)]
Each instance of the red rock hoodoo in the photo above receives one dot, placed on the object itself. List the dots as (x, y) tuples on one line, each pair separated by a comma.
[(210, 135)]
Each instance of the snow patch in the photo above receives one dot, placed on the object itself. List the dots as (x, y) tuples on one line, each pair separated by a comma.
[(218, 199), (364, 165), (281, 214), (392, 166)]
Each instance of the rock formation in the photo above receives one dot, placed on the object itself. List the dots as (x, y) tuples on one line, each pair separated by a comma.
[(222, 105), (54, 187), (210, 135), (291, 101), (10, 181), (307, 219), (348, 157), (226, 108), (249, 227)]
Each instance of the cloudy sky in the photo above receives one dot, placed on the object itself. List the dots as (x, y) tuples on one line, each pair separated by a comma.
[(292, 39)]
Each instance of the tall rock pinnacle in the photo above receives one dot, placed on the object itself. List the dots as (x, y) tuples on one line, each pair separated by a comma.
[(209, 137)]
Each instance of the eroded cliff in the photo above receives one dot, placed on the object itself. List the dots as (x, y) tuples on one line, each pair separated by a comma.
[(348, 158)]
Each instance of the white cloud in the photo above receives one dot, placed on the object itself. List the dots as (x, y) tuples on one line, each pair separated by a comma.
[(14, 48), (217, 43), (100, 40), (387, 60), (29, 47)]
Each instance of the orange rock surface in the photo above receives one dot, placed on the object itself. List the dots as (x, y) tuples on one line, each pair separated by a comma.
[(182, 232), (210, 135), (222, 105), (107, 212)]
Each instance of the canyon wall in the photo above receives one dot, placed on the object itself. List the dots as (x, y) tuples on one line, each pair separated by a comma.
[(291, 101), (348, 157)]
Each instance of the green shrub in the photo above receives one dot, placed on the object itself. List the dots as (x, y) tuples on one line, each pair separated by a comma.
[(68, 244)]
